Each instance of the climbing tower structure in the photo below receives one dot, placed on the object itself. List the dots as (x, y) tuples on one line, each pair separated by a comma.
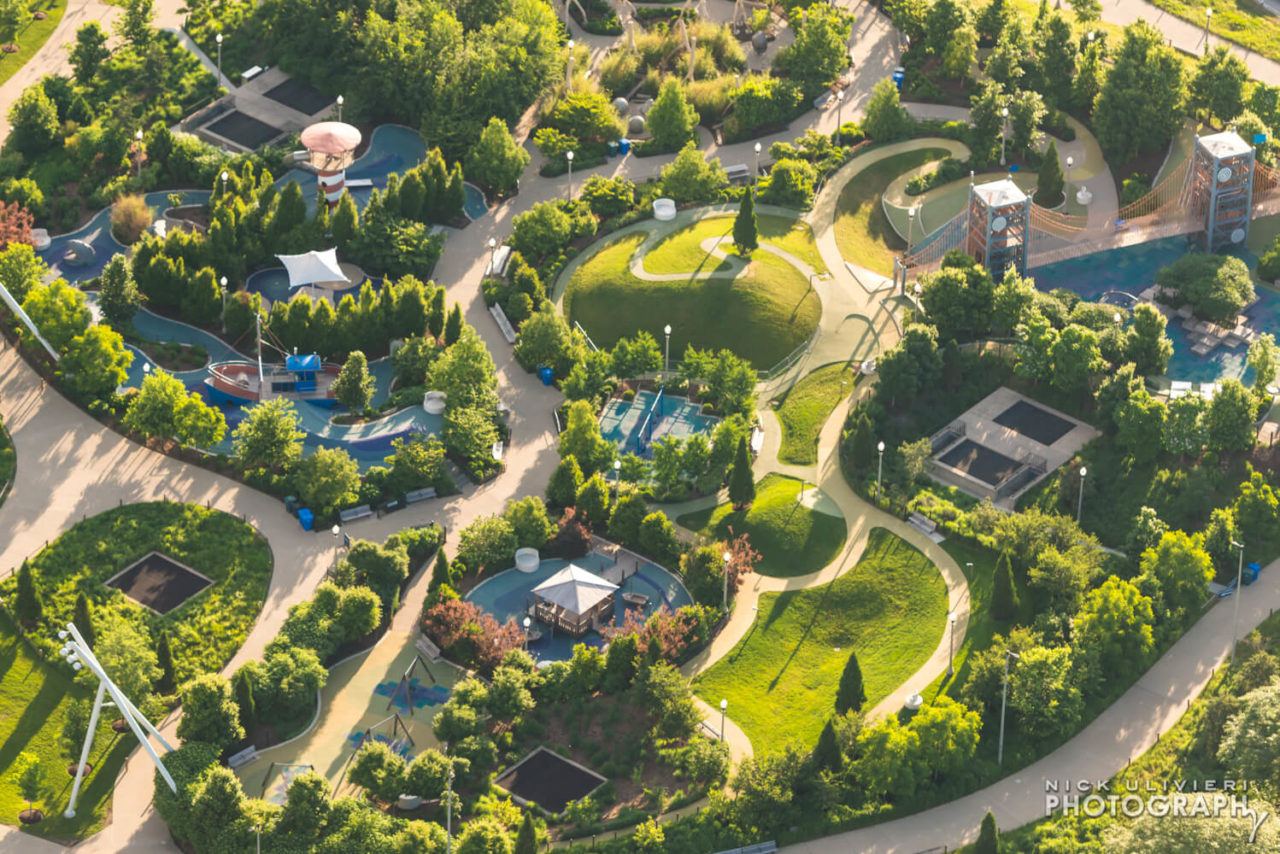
[(1222, 186), (999, 226)]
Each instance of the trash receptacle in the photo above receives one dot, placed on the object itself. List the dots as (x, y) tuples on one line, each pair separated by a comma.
[(1251, 572), (614, 147), (291, 504), (546, 375), (306, 519), (624, 146)]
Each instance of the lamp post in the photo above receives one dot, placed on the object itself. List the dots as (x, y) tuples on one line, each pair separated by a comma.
[(911, 223), (257, 828), (1070, 162), (224, 176), (448, 814), (218, 39), (137, 152), (666, 349), (222, 285), (1004, 698), (879, 468), (951, 656), (1004, 131), (1208, 16), (1235, 616), (527, 624), (728, 556), (839, 116), (724, 706), (568, 155), (568, 66), (492, 243), (1080, 500), (617, 478), (757, 150), (341, 101)]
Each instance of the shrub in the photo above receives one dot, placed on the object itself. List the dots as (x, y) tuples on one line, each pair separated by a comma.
[(1216, 287), (130, 218)]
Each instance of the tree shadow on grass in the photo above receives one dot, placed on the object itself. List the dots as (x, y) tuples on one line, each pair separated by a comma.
[(808, 629)]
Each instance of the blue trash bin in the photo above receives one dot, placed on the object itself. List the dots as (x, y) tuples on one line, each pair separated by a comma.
[(306, 519), (546, 375), (1251, 571), (624, 146)]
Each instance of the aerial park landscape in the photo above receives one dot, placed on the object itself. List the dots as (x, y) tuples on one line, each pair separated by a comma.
[(713, 426)]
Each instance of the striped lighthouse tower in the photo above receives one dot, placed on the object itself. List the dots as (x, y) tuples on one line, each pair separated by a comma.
[(331, 148)]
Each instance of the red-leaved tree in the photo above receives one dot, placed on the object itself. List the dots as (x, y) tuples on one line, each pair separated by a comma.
[(469, 635), (15, 224)]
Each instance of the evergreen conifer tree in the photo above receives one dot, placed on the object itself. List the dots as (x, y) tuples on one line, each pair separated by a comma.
[(850, 693), (742, 485), (746, 233)]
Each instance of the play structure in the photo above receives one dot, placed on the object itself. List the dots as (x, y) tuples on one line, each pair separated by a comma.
[(636, 424), (331, 148), (1211, 196)]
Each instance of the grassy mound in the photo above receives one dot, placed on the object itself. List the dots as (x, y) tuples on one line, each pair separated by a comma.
[(806, 409), (780, 680), (863, 233), (792, 539)]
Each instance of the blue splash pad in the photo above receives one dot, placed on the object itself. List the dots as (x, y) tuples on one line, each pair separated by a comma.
[(400, 746), (418, 695)]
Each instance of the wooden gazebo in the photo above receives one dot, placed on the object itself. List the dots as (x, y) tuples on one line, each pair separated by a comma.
[(574, 599)]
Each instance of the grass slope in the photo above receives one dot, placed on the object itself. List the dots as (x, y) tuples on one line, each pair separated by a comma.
[(780, 680), (682, 252), (33, 702), (761, 315), (792, 539), (1242, 21), (806, 409), (863, 232), (33, 37)]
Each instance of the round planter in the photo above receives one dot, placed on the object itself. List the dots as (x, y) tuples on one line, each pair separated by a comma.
[(73, 767), (31, 816)]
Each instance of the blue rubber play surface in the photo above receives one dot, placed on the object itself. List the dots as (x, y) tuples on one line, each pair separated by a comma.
[(507, 597), (635, 425), (415, 695)]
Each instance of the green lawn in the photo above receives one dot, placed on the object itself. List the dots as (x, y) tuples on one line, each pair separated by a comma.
[(682, 252), (33, 37), (806, 409), (780, 680), (762, 315), (33, 701), (791, 538), (863, 233), (206, 629), (1242, 21)]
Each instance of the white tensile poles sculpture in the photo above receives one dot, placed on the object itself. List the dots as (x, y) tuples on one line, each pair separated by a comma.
[(78, 655)]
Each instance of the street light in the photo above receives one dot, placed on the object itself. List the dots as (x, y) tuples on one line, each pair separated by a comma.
[(839, 114), (757, 149), (341, 101), (568, 68), (617, 478), (1235, 616), (724, 706), (879, 468), (1004, 697), (951, 657), (218, 39), (492, 243), (448, 815), (1004, 130), (222, 284), (1208, 16), (728, 556), (527, 624), (666, 350), (225, 175), (1080, 501), (569, 156)]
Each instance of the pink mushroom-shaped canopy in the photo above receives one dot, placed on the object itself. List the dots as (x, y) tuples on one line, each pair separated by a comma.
[(333, 138)]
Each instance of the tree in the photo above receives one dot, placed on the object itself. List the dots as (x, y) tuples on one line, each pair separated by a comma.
[(592, 502), (1263, 359), (1059, 577), (1043, 691), (27, 606), (495, 161), (1114, 628), (344, 224), (96, 363), (1144, 533), (1186, 426), (164, 660), (487, 543), (745, 229), (861, 441), (354, 385), (691, 177), (209, 712), (886, 120), (327, 480), (913, 365), (672, 120), (959, 298), (1217, 88), (484, 836), (135, 24), (1005, 64), (1139, 106), (566, 480), (581, 439), (889, 759), (850, 693), (1137, 420), (1176, 574), (1217, 287), (1076, 359), (89, 51), (269, 437), (742, 485), (59, 311), (127, 657), (961, 52), (33, 120), (1026, 113), (453, 326), (83, 618), (29, 776), (527, 837), (1055, 47), (529, 521), (1004, 593), (1256, 508), (1248, 746), (948, 735), (820, 51), (988, 836), (118, 294), (1049, 183), (1146, 344), (14, 15), (246, 705), (1229, 419)]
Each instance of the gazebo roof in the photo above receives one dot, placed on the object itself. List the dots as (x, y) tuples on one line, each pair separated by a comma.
[(331, 138), (575, 589), (313, 267)]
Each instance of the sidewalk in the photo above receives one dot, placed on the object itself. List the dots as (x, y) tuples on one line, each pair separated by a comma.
[(1187, 36)]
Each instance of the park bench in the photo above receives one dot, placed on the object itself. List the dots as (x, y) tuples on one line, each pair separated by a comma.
[(503, 324), (738, 173), (427, 648), (413, 496), (244, 757), (250, 73), (758, 848), (922, 523), (353, 513)]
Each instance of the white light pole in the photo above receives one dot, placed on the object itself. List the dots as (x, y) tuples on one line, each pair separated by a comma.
[(222, 284), (951, 656), (617, 478), (224, 176), (568, 155), (724, 706), (341, 101), (728, 556), (1080, 501), (666, 350), (879, 468), (258, 829), (1004, 697), (527, 624), (1004, 130), (911, 224), (1208, 16), (492, 243), (568, 68), (218, 39), (78, 654), (1235, 616), (839, 114), (757, 150), (137, 152), (448, 815)]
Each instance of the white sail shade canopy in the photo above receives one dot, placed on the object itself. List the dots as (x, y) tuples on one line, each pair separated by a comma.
[(313, 268)]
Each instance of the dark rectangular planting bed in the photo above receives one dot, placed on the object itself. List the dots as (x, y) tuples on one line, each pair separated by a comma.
[(549, 780), (299, 95), (243, 129), (1035, 423), (159, 583), (978, 461)]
